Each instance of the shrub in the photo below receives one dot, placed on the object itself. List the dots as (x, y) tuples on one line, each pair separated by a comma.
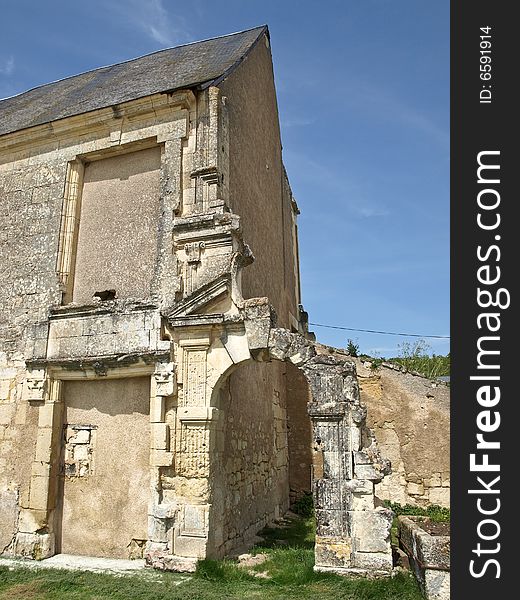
[(304, 506), (352, 349)]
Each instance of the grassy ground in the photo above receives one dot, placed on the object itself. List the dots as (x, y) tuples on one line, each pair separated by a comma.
[(436, 513), (286, 575)]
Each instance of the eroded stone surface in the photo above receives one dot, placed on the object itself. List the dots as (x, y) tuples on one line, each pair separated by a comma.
[(429, 556)]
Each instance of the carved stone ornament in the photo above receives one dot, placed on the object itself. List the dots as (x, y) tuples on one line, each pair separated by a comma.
[(164, 376), (34, 386), (193, 250)]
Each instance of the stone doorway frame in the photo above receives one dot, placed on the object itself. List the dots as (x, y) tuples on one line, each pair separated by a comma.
[(353, 532), (38, 521)]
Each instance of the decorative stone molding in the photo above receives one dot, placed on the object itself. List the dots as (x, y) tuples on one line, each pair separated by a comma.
[(164, 376), (69, 227), (34, 385)]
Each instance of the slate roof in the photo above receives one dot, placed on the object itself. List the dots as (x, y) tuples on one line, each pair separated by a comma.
[(188, 66)]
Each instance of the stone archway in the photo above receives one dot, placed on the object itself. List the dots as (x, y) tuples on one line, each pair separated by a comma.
[(353, 534)]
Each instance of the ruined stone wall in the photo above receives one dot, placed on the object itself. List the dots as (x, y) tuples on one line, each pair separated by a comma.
[(410, 417), (255, 458), (30, 201), (299, 433), (260, 193), (34, 182)]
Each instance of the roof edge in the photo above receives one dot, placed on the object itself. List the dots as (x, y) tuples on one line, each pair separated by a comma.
[(263, 28), (238, 62)]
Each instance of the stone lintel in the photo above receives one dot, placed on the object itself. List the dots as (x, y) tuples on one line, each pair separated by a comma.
[(68, 368), (333, 411), (100, 308)]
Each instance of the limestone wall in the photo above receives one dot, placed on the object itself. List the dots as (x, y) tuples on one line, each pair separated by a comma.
[(410, 417), (106, 480), (34, 186), (258, 188), (117, 242), (299, 433), (30, 201), (255, 458)]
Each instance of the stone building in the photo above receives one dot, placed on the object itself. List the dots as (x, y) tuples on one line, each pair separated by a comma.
[(156, 374)]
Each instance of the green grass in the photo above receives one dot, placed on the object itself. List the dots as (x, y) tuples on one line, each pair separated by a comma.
[(414, 356), (287, 574), (429, 366), (437, 514)]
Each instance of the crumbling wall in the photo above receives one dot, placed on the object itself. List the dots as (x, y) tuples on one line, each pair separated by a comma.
[(259, 192), (410, 417), (30, 199), (33, 184), (299, 433), (18, 424), (255, 458)]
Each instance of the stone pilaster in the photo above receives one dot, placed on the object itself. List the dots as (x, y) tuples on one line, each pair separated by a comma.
[(36, 528)]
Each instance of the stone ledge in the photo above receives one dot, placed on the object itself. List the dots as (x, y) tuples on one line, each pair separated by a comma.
[(354, 572), (429, 556)]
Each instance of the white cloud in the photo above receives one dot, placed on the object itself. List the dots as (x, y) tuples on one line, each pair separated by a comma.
[(343, 187), (153, 19), (7, 66), (383, 102), (297, 122)]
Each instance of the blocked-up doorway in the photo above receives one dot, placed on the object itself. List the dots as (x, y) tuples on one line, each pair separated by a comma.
[(105, 474)]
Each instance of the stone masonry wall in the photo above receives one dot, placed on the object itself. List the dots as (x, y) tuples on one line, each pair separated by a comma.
[(255, 458), (299, 433), (257, 187), (30, 200), (34, 167), (410, 417)]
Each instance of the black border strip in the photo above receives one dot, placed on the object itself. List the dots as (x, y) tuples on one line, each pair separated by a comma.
[(479, 125)]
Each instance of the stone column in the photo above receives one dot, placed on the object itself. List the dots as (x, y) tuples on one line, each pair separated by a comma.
[(161, 513), (352, 534), (180, 523), (36, 528)]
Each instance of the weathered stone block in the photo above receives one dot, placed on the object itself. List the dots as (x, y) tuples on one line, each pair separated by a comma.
[(367, 471), (371, 530), (373, 563), (34, 545), (157, 406), (46, 414), (43, 444), (157, 529), (32, 521), (39, 493), (333, 552), (189, 546), (160, 436), (429, 555), (415, 489), (161, 458)]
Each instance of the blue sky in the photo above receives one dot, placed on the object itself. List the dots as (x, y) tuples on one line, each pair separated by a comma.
[(363, 92)]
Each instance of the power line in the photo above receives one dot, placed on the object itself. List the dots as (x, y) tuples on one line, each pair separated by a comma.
[(443, 337)]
